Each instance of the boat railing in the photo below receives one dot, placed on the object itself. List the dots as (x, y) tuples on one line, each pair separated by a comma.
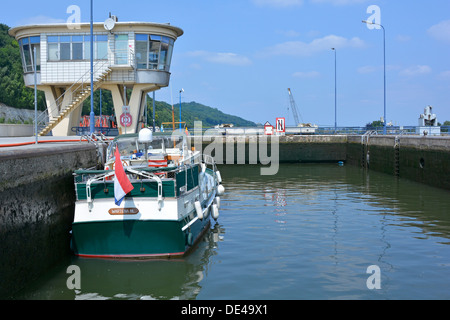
[(209, 161), (100, 177), (190, 159), (95, 137), (151, 177), (104, 175)]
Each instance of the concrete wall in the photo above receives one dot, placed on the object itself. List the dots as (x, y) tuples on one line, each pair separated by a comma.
[(422, 159), (37, 204), (16, 130), (292, 149)]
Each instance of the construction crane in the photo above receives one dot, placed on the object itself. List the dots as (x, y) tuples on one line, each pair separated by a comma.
[(294, 108)]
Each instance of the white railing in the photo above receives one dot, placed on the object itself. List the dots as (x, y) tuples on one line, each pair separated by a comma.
[(83, 83)]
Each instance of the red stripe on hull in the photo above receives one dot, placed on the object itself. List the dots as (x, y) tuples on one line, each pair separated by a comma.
[(132, 256)]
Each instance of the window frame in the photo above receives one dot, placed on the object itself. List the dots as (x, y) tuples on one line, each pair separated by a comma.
[(159, 51), (100, 46), (27, 45)]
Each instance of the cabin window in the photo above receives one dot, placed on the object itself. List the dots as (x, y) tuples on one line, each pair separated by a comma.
[(27, 46), (154, 52), (141, 51), (76, 47), (121, 50)]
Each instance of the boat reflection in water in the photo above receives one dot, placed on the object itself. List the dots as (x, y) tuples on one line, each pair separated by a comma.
[(103, 279)]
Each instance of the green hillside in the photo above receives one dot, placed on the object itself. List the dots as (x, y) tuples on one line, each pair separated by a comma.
[(14, 93), (190, 112)]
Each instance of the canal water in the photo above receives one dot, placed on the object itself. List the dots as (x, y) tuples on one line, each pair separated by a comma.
[(313, 231)]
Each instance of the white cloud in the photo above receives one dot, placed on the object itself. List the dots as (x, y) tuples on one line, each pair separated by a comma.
[(299, 48), (227, 58), (372, 69), (403, 38), (367, 69), (445, 74), (441, 31), (306, 75), (278, 3), (195, 66), (416, 70)]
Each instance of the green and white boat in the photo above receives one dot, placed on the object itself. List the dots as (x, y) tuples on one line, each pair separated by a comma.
[(176, 194)]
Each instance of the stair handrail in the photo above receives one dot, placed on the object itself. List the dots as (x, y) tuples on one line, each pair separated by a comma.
[(80, 82)]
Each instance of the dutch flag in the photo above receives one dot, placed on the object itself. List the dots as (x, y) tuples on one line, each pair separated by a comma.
[(122, 184)]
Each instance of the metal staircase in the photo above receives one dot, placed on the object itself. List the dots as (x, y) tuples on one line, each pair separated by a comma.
[(81, 90)]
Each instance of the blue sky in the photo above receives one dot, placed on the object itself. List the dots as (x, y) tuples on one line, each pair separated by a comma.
[(240, 56)]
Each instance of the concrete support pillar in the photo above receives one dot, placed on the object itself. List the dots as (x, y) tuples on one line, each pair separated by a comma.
[(55, 105), (64, 128), (50, 99), (136, 104), (117, 96)]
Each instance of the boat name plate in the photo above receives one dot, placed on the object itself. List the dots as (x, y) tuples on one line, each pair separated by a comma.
[(123, 211)]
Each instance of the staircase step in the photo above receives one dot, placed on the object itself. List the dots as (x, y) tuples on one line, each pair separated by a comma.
[(79, 98)]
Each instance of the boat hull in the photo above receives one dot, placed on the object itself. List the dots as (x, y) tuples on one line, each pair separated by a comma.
[(141, 227), (135, 238)]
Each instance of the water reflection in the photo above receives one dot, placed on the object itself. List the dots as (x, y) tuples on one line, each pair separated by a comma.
[(417, 205), (131, 279), (318, 228)]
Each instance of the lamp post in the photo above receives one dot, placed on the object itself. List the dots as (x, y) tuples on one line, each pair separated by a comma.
[(101, 103), (384, 57), (335, 90), (154, 111), (92, 114), (35, 94), (182, 90)]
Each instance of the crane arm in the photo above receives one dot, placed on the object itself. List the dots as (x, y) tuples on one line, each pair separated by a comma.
[(294, 108)]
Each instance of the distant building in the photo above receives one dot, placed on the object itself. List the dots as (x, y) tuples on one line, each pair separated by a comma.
[(428, 124), (225, 125), (135, 55)]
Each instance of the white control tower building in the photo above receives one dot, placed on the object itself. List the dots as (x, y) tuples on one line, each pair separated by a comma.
[(132, 55)]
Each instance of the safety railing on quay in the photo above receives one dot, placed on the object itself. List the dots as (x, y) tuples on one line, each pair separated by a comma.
[(391, 130), (246, 131), (249, 131)]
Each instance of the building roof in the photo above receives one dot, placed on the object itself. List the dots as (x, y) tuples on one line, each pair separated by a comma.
[(144, 27)]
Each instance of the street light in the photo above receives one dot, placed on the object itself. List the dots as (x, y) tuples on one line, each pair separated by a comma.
[(92, 114), (154, 112), (335, 90), (384, 48), (182, 90)]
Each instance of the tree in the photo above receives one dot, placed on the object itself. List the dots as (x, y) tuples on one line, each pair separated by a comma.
[(375, 124), (12, 87)]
